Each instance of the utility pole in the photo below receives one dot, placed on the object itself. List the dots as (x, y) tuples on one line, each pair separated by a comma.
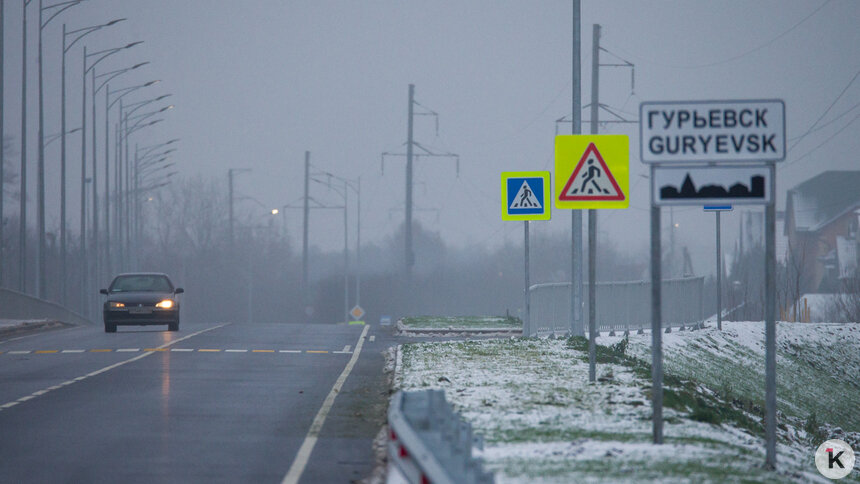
[(306, 210), (410, 256), (411, 156), (358, 249), (576, 328), (230, 174), (592, 213), (230, 190)]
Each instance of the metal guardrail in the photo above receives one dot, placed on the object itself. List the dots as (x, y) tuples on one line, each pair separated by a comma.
[(621, 306), (429, 442)]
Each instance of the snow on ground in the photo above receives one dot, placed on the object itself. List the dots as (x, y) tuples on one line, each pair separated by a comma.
[(543, 421)]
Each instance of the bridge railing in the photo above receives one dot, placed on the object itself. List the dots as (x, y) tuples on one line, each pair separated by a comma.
[(621, 306)]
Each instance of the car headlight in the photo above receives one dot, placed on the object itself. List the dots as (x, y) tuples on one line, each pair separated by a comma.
[(165, 304), (115, 304)]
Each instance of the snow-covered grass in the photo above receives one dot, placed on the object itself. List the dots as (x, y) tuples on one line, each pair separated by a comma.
[(543, 421), (461, 322)]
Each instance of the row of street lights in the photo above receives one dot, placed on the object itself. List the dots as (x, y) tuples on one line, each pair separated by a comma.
[(129, 182)]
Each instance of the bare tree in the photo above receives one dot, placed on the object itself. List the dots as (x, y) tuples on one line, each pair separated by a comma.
[(795, 271), (845, 306)]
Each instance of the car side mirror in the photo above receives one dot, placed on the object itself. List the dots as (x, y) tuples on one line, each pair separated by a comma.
[(103, 291), (179, 290)]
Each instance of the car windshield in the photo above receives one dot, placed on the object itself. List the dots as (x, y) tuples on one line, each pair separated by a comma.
[(141, 283)]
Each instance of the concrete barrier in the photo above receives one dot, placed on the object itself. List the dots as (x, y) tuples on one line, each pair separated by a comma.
[(16, 305)]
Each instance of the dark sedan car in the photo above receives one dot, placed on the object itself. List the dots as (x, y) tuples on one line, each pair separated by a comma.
[(141, 299)]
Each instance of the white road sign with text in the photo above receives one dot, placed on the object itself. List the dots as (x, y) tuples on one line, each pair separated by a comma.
[(712, 131)]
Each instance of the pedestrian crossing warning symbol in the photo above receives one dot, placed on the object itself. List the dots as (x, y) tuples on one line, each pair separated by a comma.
[(594, 169), (524, 195), (526, 199)]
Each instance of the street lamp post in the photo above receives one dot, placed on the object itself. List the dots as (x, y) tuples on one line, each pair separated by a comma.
[(355, 186), (40, 187), (22, 204), (146, 163), (132, 192), (118, 157), (103, 54), (79, 33), (109, 76)]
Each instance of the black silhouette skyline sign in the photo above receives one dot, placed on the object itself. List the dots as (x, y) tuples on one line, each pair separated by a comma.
[(688, 189), (727, 185)]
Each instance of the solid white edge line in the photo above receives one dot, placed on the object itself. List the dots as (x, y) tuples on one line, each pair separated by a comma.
[(107, 368), (304, 454)]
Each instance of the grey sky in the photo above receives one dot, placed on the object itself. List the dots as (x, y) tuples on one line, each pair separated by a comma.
[(255, 84)]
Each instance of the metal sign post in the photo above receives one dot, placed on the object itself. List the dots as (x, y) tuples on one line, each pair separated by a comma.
[(524, 197), (730, 149), (717, 209), (719, 276), (770, 327), (527, 317), (656, 327)]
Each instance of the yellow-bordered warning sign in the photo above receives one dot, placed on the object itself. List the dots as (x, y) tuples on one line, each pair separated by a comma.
[(592, 171)]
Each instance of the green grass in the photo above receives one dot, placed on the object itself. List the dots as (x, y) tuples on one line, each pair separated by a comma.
[(462, 322)]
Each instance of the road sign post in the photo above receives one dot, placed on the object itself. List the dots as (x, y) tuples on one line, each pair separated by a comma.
[(717, 209), (524, 198), (740, 142), (656, 328), (592, 172)]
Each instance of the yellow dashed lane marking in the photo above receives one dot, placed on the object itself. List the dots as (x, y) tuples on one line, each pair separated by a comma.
[(42, 352), (316, 351), (262, 351), (100, 351), (155, 349)]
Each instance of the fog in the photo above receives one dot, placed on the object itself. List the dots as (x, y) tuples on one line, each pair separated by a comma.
[(256, 84)]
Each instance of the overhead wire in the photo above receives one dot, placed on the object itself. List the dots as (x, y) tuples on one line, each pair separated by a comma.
[(735, 57)]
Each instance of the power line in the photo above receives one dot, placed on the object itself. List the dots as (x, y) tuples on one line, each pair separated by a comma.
[(735, 57), (792, 163), (826, 110), (837, 118)]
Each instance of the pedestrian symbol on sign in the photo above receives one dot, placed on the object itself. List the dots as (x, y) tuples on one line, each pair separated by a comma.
[(525, 198), (591, 180)]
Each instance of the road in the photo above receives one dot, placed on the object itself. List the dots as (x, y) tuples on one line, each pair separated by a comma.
[(211, 403)]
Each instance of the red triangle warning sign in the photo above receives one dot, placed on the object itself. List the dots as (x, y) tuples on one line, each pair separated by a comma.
[(591, 180)]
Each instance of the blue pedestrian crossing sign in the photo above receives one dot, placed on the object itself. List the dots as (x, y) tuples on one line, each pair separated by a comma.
[(524, 195)]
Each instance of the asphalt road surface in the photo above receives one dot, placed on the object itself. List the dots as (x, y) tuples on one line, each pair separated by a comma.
[(211, 403)]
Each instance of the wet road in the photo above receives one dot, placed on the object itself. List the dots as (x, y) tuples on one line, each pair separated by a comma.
[(213, 402)]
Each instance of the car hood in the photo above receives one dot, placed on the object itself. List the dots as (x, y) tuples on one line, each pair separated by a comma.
[(140, 297)]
